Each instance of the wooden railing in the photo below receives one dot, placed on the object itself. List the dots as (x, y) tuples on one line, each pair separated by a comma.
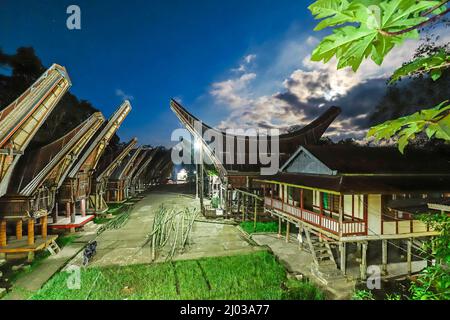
[(327, 223)]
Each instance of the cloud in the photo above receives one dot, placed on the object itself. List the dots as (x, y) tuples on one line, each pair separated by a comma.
[(307, 91), (230, 91), (120, 93), (246, 60), (249, 58)]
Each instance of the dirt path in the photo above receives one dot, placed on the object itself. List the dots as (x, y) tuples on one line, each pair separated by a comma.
[(124, 246)]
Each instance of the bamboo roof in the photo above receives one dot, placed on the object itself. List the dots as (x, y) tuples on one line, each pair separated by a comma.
[(94, 150), (20, 121), (50, 164)]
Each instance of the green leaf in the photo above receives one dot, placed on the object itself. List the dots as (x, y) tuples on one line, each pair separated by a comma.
[(435, 122), (362, 28), (433, 64)]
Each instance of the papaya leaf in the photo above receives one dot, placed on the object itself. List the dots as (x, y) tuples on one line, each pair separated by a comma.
[(364, 28), (435, 122)]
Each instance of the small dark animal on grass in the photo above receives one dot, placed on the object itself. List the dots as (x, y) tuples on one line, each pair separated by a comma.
[(89, 252)]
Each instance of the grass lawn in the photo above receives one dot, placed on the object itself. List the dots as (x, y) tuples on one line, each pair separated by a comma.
[(249, 227), (253, 276)]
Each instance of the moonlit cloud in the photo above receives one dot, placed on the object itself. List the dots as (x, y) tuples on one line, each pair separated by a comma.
[(308, 90)]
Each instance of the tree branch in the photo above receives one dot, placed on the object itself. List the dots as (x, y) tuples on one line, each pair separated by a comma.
[(424, 14), (420, 25)]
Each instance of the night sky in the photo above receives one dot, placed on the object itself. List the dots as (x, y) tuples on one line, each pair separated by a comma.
[(232, 63)]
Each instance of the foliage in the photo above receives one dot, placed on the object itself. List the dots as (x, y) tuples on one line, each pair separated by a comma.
[(362, 295), (302, 290), (369, 28), (393, 296), (435, 122), (433, 64), (215, 202), (255, 276), (433, 283), (63, 241), (249, 227)]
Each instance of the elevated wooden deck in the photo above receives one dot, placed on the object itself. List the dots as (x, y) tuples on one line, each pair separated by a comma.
[(22, 246), (65, 223)]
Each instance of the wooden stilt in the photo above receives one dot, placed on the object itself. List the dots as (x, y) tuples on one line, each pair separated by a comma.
[(238, 203), (409, 256), (55, 215), (19, 229), (255, 214), (245, 207), (288, 227), (384, 256), (30, 236), (83, 207), (73, 213), (279, 228), (30, 256), (3, 238), (44, 227), (363, 261), (300, 237), (343, 260), (68, 209)]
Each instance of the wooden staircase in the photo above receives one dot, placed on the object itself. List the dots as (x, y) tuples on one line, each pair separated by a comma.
[(53, 248), (324, 266)]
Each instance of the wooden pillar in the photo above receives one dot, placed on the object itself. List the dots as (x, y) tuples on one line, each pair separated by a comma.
[(30, 236), (409, 255), (384, 256), (68, 209), (19, 229), (300, 237), (3, 238), (245, 203), (73, 213), (238, 203), (55, 216), (255, 214), (343, 259), (279, 228), (363, 266), (341, 215), (44, 227), (83, 207), (288, 226)]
